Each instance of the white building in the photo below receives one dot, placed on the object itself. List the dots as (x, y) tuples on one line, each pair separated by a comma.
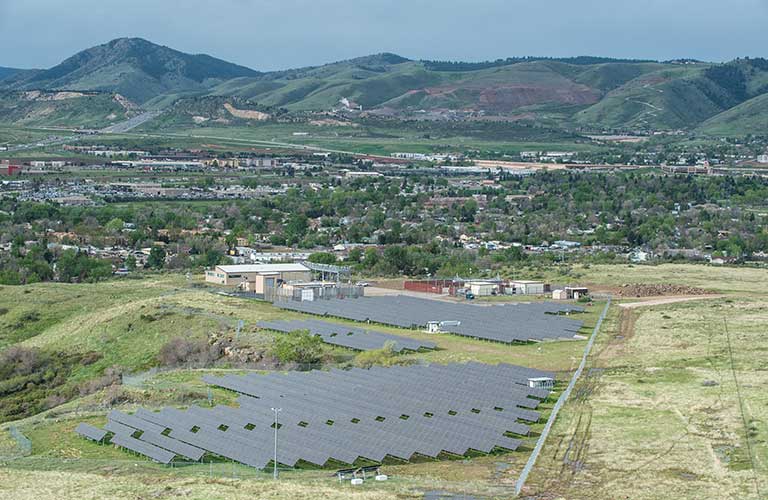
[(525, 287), (360, 173)]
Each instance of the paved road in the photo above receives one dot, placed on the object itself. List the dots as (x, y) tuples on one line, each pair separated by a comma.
[(58, 140), (131, 123)]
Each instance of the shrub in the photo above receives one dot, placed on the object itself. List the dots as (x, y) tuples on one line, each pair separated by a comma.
[(180, 351), (114, 395), (386, 356), (112, 376), (90, 358), (298, 347), (54, 400), (19, 361)]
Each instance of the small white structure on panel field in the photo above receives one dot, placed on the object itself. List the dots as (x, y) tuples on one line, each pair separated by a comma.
[(541, 383), (437, 326)]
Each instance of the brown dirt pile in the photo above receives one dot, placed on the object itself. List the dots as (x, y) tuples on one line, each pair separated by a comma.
[(658, 290)]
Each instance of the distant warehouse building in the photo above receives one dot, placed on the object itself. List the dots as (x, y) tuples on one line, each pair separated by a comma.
[(524, 287), (483, 288), (258, 277), (570, 293)]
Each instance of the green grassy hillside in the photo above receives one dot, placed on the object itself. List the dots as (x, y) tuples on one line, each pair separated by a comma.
[(6, 72), (323, 88), (584, 92), (666, 99), (135, 68), (63, 109), (679, 97), (410, 86), (750, 117)]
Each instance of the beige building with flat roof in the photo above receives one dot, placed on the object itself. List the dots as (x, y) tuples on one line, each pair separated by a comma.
[(258, 277)]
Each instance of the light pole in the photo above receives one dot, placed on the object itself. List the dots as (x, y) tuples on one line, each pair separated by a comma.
[(274, 470)]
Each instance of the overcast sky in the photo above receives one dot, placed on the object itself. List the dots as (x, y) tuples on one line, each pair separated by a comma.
[(277, 34)]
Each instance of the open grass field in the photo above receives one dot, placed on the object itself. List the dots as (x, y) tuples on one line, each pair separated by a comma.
[(346, 139), (674, 401), (670, 403)]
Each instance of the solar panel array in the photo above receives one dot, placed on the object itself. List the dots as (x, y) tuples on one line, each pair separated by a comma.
[(90, 432), (341, 416), (514, 322), (348, 336)]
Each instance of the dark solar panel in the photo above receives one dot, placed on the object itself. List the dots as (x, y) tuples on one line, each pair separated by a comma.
[(90, 432), (345, 415), (146, 449), (348, 336), (518, 322)]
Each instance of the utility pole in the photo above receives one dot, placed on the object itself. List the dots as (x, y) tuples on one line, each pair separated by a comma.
[(274, 472)]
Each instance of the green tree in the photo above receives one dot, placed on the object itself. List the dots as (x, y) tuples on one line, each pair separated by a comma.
[(371, 258), (296, 228), (397, 257), (355, 255), (212, 258), (231, 240), (156, 258), (130, 263), (114, 225), (323, 258), (76, 266)]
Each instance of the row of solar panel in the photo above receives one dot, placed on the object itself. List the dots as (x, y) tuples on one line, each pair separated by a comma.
[(342, 415), (348, 336), (519, 322)]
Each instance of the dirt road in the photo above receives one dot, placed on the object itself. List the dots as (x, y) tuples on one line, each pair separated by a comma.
[(657, 301)]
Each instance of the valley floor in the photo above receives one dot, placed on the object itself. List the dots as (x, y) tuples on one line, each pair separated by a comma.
[(673, 403)]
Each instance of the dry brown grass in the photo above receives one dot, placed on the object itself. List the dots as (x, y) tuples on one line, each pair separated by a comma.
[(40, 485), (644, 425)]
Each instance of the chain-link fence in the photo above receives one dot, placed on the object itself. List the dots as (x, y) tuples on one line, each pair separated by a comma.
[(205, 468), (561, 401)]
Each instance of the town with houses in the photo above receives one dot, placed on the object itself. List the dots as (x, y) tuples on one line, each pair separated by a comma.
[(528, 264), (450, 190)]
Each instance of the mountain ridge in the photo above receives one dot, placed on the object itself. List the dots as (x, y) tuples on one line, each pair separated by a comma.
[(8, 72), (584, 92), (135, 68)]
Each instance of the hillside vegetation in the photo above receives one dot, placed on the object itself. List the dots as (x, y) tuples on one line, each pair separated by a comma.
[(6, 72), (136, 69), (72, 109), (749, 117), (590, 93), (681, 97), (213, 111)]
